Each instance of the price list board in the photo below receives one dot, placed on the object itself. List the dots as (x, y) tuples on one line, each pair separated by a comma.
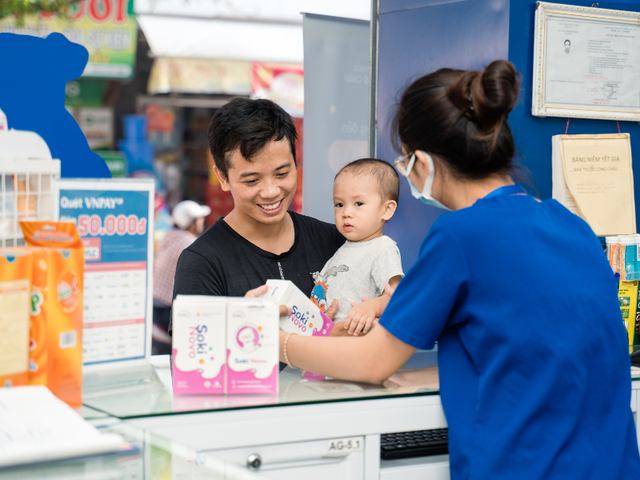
[(114, 218)]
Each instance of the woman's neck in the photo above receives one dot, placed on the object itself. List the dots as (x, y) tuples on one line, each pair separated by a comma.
[(462, 193)]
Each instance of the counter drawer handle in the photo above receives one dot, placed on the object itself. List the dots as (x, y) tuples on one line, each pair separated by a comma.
[(254, 461)]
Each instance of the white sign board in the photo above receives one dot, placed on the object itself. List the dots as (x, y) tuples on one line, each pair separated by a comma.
[(114, 218)]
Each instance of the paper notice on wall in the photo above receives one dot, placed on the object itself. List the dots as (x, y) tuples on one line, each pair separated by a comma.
[(593, 177)]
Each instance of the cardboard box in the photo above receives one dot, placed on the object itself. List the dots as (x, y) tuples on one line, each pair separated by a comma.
[(55, 358), (16, 265), (306, 318), (199, 350), (252, 346)]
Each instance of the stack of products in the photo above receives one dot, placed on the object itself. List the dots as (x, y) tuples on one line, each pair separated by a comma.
[(230, 345), (623, 253), (225, 345), (45, 281)]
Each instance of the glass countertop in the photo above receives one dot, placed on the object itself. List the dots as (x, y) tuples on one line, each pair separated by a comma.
[(151, 456), (419, 376), (119, 397)]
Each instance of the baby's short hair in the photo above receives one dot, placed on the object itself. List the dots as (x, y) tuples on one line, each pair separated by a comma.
[(383, 172)]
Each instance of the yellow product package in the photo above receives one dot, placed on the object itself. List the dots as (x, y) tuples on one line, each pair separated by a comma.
[(15, 289), (627, 298), (55, 357)]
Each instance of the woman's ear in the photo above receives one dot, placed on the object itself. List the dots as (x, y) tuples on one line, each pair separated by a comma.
[(420, 170), (389, 209), (422, 162), (224, 183)]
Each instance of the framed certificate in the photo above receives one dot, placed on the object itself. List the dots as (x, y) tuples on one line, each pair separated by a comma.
[(586, 63)]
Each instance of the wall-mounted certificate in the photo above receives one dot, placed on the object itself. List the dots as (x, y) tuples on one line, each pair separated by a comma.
[(586, 63)]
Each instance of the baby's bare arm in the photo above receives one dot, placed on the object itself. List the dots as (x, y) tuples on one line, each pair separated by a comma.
[(362, 315)]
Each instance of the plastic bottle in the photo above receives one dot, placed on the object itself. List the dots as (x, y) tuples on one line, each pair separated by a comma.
[(613, 252), (626, 257), (636, 258)]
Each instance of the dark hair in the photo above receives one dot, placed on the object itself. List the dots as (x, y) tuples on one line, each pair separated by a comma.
[(248, 125), (460, 116), (381, 171)]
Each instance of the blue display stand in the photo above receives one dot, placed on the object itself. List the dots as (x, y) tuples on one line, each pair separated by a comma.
[(34, 73)]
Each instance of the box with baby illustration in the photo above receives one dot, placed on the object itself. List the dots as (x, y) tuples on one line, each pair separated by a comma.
[(224, 345)]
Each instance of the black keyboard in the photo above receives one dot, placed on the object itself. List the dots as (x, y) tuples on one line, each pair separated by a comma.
[(414, 444)]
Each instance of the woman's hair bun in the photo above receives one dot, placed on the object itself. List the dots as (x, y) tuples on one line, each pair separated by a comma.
[(460, 116), (486, 98)]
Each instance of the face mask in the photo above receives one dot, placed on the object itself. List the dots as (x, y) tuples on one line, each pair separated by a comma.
[(425, 195)]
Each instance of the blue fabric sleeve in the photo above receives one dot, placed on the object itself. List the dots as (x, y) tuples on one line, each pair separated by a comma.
[(432, 294)]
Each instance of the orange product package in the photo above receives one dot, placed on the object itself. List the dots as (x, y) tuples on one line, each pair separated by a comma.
[(15, 294), (55, 356)]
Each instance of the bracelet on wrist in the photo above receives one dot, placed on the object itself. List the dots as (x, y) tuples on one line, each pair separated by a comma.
[(286, 357)]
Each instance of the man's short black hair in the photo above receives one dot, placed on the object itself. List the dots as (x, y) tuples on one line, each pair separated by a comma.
[(248, 125)]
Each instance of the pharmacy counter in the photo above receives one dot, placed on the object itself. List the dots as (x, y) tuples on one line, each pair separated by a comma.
[(314, 428), (151, 457)]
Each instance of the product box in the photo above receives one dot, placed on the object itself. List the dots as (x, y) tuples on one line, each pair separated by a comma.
[(16, 267), (252, 346), (55, 357), (199, 336), (306, 318), (628, 299)]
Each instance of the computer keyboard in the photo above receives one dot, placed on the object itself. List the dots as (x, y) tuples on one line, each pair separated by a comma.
[(414, 444)]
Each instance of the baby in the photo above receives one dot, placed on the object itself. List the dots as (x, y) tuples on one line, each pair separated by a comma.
[(365, 196)]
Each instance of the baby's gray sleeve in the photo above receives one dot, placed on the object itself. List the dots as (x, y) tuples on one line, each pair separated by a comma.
[(387, 265)]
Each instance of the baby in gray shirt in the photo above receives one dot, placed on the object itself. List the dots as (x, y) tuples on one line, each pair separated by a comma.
[(365, 196)]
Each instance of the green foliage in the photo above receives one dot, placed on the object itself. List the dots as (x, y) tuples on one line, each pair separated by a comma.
[(22, 8)]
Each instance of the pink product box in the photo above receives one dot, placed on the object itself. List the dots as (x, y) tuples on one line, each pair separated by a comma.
[(252, 346), (306, 318), (199, 335)]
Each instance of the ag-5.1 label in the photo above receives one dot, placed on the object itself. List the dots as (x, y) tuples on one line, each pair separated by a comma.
[(341, 447)]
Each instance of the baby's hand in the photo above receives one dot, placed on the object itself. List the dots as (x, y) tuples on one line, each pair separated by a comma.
[(360, 318)]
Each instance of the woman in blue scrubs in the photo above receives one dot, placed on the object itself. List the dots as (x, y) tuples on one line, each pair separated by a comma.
[(532, 351)]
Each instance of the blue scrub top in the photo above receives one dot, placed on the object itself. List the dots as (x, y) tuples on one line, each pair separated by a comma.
[(532, 350)]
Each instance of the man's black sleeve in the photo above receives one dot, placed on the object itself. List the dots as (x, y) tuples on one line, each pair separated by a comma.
[(195, 275)]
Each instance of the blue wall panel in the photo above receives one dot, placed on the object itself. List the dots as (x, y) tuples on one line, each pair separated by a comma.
[(417, 37), (533, 134), (465, 34)]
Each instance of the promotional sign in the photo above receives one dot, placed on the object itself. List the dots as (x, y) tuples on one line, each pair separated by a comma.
[(115, 221), (336, 66), (97, 126), (283, 84), (104, 27)]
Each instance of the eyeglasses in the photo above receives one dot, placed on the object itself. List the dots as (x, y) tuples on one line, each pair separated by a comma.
[(404, 163)]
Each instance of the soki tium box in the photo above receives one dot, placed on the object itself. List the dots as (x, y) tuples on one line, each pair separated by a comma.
[(306, 318), (224, 345), (252, 345), (199, 344)]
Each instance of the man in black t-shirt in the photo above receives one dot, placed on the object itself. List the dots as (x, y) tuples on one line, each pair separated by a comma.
[(253, 147)]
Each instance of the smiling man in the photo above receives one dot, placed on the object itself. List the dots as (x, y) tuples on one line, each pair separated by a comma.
[(253, 147)]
